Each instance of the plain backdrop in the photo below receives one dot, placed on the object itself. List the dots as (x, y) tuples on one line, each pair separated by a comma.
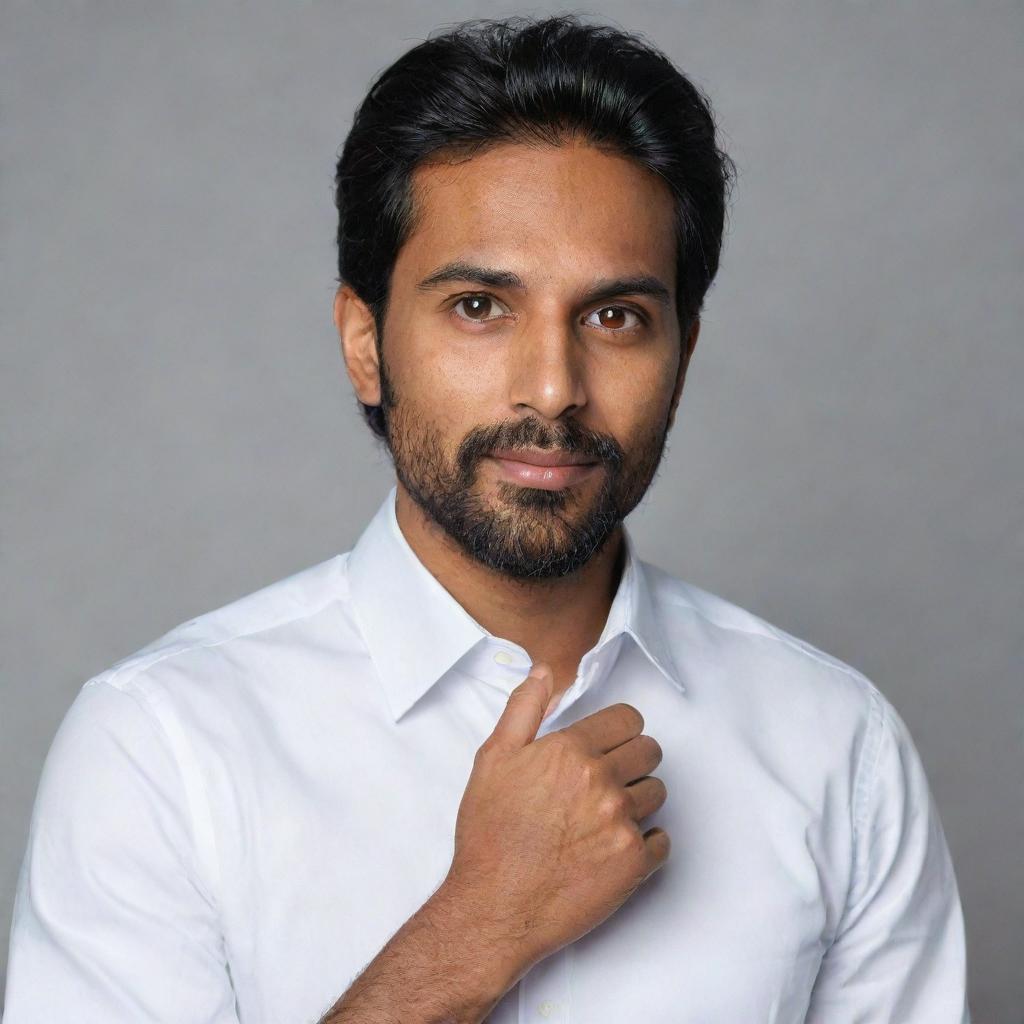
[(178, 429)]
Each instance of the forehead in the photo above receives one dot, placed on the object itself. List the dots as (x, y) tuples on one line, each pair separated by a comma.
[(542, 211)]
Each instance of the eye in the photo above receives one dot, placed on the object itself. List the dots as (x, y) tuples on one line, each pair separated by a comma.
[(478, 308), (610, 318)]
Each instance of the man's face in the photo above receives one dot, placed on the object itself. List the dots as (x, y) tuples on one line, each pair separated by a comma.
[(565, 364)]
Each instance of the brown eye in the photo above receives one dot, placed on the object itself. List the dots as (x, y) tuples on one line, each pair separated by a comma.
[(616, 318), (478, 308)]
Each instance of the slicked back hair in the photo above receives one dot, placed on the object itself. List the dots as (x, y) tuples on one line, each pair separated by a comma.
[(538, 80)]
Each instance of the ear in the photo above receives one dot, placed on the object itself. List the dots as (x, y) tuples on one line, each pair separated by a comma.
[(684, 362), (358, 334)]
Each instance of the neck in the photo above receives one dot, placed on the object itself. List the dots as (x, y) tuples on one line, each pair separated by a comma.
[(555, 621)]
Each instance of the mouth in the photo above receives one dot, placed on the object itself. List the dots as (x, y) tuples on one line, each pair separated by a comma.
[(548, 471), (536, 457)]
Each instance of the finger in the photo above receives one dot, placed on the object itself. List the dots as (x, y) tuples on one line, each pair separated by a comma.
[(634, 759), (606, 729), (646, 796), (658, 844), (524, 711)]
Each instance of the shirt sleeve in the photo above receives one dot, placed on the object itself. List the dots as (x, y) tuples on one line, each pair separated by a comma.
[(899, 952), (112, 922)]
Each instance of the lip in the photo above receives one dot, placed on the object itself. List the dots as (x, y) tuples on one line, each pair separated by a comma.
[(536, 457), (545, 478)]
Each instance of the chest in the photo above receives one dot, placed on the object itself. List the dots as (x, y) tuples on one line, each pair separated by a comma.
[(335, 852)]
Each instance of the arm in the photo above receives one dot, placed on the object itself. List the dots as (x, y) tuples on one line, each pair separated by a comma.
[(111, 919), (443, 966), (898, 953)]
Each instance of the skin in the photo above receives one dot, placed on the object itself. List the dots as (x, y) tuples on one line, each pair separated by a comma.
[(468, 367)]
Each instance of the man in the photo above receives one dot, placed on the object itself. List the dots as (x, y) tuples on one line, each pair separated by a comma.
[(414, 783)]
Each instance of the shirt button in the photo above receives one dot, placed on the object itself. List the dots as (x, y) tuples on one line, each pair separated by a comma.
[(547, 1008), (505, 658)]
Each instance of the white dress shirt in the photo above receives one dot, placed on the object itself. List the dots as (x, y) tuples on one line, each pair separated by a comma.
[(232, 821)]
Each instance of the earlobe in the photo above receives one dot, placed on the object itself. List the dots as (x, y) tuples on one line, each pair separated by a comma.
[(357, 332)]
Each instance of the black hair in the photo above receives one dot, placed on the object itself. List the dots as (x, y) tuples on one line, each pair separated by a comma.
[(486, 81)]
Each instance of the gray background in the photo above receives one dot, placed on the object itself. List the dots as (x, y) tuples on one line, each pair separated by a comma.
[(178, 429)]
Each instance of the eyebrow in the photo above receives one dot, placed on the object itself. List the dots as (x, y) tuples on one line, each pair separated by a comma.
[(460, 270)]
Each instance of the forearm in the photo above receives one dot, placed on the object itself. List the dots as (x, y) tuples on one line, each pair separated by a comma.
[(443, 966)]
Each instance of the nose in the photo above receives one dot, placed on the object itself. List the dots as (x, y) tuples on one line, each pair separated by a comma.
[(546, 375)]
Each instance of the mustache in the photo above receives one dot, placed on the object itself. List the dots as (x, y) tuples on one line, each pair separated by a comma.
[(570, 438)]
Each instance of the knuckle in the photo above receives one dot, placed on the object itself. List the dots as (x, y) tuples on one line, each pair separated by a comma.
[(562, 741), (524, 691), (614, 805), (485, 752), (565, 747), (627, 840)]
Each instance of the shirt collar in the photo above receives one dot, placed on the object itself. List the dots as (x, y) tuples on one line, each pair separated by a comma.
[(416, 631)]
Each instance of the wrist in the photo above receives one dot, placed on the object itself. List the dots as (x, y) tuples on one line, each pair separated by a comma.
[(497, 947)]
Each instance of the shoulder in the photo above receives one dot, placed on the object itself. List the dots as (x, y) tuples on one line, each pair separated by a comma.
[(293, 605), (217, 674), (805, 713), (735, 657)]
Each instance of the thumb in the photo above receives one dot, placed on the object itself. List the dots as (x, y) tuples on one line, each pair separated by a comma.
[(524, 712)]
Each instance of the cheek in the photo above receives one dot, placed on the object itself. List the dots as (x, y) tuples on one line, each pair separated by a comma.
[(634, 395), (452, 387)]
